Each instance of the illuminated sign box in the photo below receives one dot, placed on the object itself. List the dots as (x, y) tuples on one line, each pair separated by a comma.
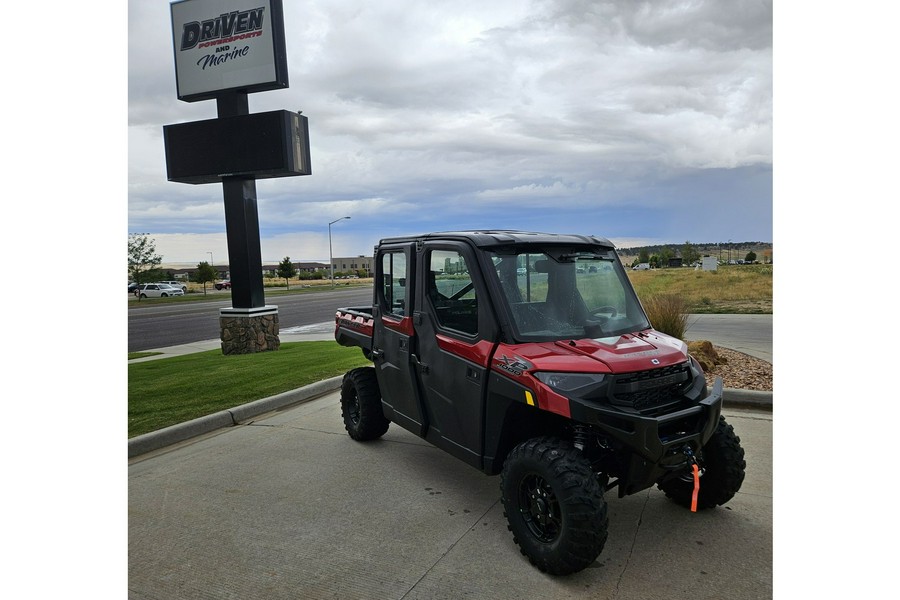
[(228, 45), (257, 146)]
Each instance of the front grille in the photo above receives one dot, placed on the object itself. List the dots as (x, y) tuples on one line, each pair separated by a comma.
[(647, 390)]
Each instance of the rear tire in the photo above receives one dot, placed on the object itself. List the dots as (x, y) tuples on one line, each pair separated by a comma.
[(554, 505), (361, 405), (722, 459)]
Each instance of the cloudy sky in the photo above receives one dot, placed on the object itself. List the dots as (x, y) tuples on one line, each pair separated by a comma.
[(643, 122)]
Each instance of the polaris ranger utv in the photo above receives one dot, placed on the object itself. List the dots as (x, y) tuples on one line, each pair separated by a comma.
[(529, 355)]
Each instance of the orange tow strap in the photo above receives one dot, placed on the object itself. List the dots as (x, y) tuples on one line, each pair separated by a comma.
[(696, 488)]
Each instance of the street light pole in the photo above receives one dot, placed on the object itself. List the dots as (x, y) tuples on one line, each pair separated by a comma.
[(330, 255)]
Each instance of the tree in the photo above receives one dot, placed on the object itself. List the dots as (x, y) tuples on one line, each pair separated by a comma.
[(689, 254), (664, 255), (751, 257), (142, 256), (644, 256), (286, 270), (205, 274)]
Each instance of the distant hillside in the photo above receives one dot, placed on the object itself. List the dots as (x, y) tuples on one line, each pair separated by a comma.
[(722, 250)]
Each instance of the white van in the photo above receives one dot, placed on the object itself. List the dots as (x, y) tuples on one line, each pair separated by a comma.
[(641, 267)]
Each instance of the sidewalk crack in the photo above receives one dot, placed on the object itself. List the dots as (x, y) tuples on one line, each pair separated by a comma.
[(449, 550), (637, 531)]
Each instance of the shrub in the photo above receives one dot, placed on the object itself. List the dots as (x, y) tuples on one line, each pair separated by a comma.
[(667, 314)]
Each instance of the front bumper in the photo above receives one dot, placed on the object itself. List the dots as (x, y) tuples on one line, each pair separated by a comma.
[(656, 444)]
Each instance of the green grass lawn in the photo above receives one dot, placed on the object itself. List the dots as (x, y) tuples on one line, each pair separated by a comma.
[(173, 390)]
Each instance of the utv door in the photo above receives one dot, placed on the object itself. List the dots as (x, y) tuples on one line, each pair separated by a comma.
[(394, 337), (453, 331)]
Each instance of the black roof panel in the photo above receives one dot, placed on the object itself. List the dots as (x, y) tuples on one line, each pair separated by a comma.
[(499, 237)]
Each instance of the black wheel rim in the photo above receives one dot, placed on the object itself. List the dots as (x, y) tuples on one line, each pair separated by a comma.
[(540, 508), (353, 408)]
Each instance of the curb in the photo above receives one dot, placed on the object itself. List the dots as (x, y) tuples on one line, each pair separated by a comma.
[(180, 432), (142, 444), (736, 398)]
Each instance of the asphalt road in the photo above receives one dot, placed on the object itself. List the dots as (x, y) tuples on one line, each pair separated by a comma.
[(172, 324), (750, 334)]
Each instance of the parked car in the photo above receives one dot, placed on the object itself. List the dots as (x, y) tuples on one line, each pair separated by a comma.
[(132, 286), (177, 284), (223, 285), (157, 290)]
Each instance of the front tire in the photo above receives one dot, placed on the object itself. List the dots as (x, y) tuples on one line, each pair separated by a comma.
[(554, 505), (722, 459), (361, 405)]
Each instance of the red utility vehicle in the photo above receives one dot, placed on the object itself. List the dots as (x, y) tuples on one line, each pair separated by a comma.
[(529, 355)]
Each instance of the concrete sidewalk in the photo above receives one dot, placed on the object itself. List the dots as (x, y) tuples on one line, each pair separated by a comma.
[(289, 506), (319, 331)]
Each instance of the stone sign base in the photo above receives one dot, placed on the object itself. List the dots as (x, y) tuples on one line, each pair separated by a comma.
[(249, 330)]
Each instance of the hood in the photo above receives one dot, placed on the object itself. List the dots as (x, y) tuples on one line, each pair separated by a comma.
[(627, 353)]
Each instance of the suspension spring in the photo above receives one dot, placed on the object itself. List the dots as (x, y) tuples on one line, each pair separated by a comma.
[(580, 436)]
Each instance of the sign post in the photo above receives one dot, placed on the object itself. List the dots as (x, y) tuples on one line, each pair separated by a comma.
[(224, 50)]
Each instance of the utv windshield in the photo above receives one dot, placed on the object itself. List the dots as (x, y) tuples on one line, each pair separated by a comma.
[(565, 293)]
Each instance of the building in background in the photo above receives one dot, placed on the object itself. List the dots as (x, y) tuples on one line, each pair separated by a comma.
[(354, 263)]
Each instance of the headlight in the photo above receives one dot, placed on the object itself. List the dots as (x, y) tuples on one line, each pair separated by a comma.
[(567, 382)]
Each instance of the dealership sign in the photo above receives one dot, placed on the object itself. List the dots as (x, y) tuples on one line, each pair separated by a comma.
[(228, 45)]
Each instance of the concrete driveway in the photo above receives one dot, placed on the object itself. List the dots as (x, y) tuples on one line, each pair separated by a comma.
[(288, 506)]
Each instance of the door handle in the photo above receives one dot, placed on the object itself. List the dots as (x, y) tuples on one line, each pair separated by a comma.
[(377, 353), (422, 366)]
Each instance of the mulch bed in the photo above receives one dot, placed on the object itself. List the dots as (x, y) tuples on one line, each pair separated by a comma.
[(742, 371)]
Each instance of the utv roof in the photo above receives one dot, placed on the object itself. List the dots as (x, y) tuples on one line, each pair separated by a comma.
[(488, 238)]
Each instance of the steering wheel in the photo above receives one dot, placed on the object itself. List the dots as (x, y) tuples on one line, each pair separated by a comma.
[(603, 310)]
